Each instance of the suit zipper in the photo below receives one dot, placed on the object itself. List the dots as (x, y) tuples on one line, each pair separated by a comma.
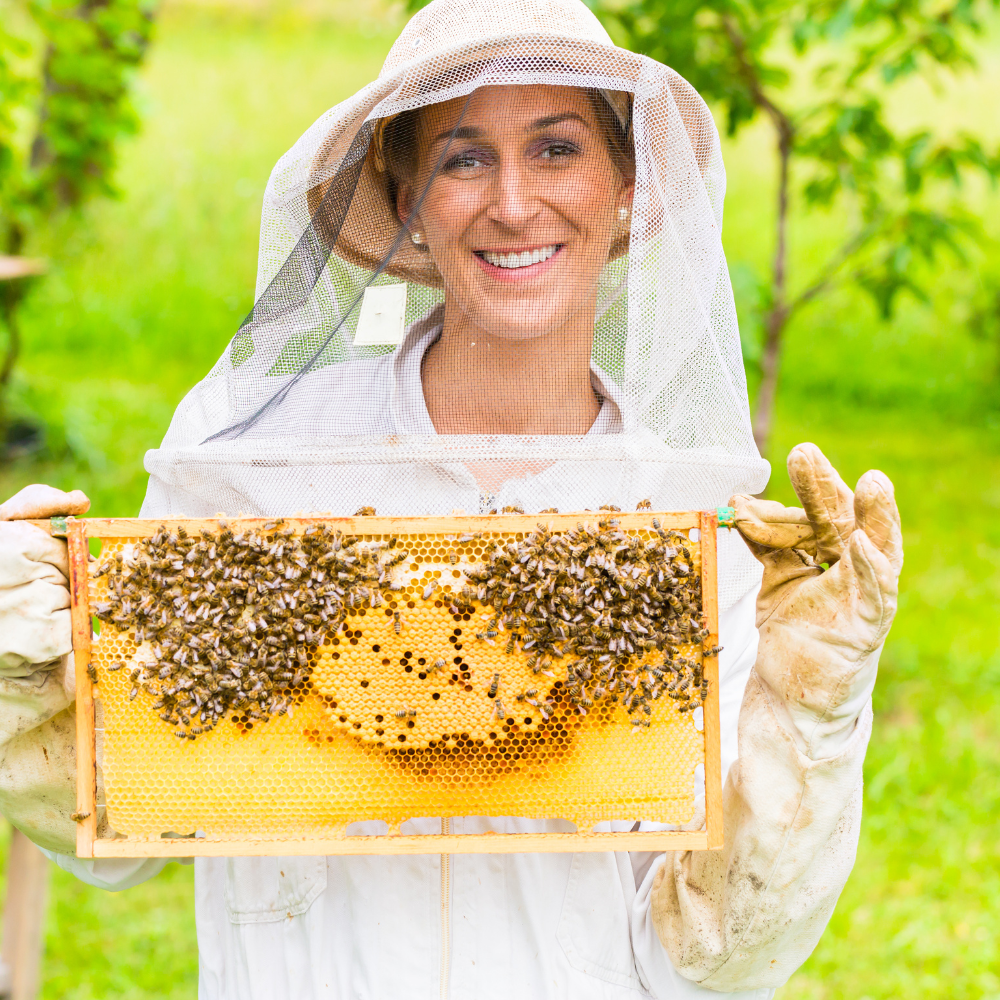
[(445, 915)]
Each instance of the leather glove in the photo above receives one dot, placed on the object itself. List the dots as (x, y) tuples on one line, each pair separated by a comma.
[(822, 629), (35, 629)]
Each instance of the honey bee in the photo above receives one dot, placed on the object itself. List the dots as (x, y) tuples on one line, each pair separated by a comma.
[(494, 687), (365, 512), (644, 505), (499, 711)]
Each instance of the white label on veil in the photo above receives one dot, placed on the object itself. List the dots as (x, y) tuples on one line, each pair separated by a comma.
[(383, 310)]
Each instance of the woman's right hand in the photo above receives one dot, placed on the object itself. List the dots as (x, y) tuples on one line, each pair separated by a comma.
[(35, 629)]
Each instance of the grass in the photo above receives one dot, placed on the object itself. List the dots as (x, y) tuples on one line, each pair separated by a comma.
[(146, 292)]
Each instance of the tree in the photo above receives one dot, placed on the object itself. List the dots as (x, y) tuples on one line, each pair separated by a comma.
[(819, 72), (65, 73)]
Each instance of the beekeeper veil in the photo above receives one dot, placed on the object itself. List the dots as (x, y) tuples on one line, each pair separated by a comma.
[(492, 278)]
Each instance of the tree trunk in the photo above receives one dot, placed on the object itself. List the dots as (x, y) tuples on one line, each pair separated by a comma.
[(777, 315), (9, 298), (24, 917), (11, 294), (767, 391)]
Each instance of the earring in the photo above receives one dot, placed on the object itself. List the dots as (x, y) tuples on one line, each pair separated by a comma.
[(623, 213), (418, 238)]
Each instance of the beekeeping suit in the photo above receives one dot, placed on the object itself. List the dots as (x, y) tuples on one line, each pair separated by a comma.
[(378, 306)]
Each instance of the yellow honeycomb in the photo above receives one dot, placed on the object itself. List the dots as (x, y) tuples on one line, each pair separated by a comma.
[(342, 755)]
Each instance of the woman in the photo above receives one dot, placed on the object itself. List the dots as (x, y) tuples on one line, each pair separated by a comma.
[(545, 210)]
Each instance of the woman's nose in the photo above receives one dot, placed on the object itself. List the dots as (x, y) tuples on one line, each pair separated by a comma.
[(513, 201)]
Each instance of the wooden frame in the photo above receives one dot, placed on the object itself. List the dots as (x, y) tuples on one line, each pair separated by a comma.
[(78, 533)]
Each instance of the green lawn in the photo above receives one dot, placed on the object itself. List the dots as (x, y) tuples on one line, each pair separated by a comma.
[(146, 293)]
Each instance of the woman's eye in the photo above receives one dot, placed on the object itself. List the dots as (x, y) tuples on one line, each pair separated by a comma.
[(466, 161), (558, 150)]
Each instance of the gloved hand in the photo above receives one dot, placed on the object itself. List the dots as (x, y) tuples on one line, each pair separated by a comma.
[(822, 630), (35, 629)]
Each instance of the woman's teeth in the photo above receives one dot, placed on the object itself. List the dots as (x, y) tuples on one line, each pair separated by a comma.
[(523, 259)]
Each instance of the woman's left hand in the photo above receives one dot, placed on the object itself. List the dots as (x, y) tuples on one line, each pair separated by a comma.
[(822, 629)]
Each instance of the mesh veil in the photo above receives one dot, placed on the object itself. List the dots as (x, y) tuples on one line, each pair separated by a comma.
[(538, 213)]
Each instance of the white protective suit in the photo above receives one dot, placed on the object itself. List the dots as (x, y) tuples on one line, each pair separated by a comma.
[(795, 722)]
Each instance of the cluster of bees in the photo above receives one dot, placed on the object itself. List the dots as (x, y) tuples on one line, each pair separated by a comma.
[(226, 622), (607, 610), (229, 620)]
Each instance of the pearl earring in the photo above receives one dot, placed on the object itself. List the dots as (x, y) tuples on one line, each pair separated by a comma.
[(417, 238), (623, 213)]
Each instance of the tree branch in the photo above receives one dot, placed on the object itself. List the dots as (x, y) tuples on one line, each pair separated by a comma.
[(782, 122), (833, 265)]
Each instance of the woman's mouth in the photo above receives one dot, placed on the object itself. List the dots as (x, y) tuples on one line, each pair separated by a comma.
[(514, 264)]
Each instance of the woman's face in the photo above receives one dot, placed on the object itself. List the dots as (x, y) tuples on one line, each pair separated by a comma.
[(522, 212)]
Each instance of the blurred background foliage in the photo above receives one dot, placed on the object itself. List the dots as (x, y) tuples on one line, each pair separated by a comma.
[(65, 71), (144, 292), (822, 75)]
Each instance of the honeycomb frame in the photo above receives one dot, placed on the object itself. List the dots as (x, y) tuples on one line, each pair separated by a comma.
[(527, 780)]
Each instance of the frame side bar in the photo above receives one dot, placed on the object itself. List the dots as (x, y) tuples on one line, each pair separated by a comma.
[(86, 760), (713, 749)]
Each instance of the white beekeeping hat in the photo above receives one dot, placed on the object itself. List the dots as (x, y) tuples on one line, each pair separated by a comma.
[(493, 277)]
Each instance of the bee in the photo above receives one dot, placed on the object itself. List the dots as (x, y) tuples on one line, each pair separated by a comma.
[(92, 672), (499, 711), (644, 505), (397, 622), (404, 712), (435, 666), (511, 509), (429, 589), (550, 510), (365, 512), (117, 665), (494, 687)]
